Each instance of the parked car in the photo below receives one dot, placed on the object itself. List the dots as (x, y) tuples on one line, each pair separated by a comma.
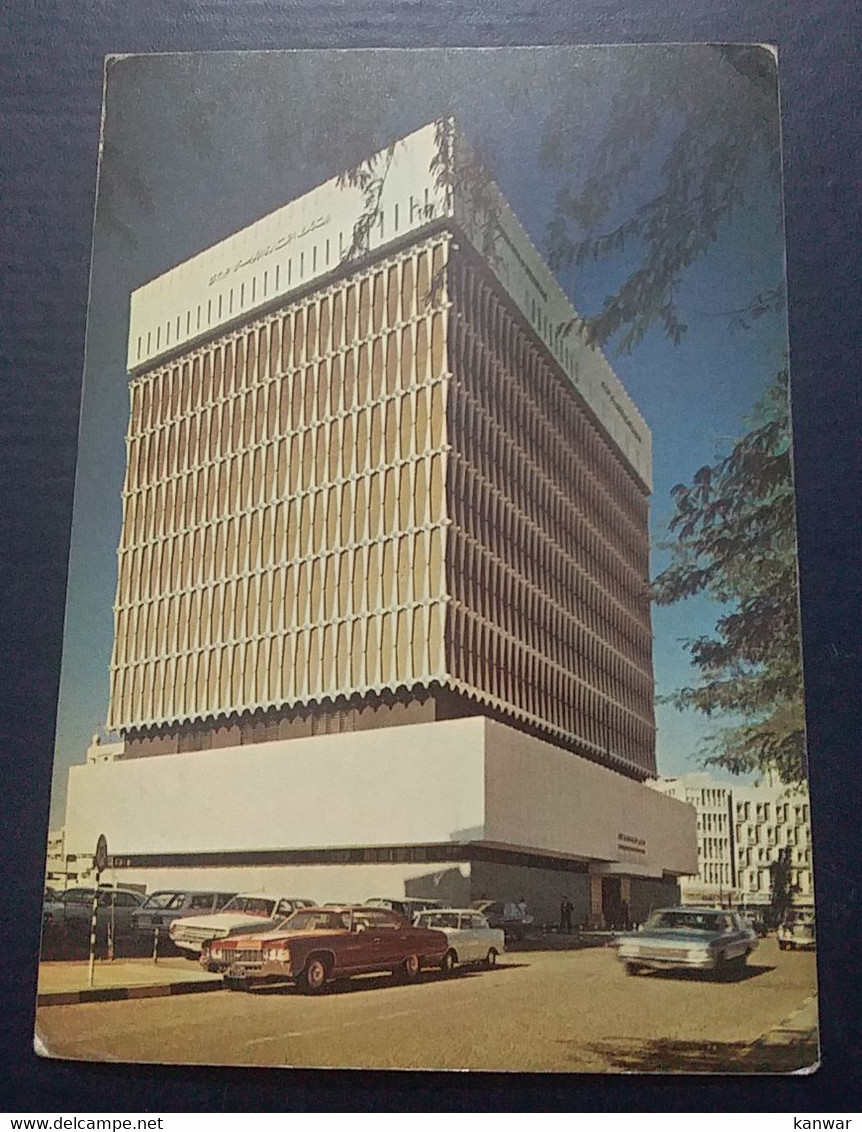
[(505, 915), (406, 906), (705, 939), (471, 939), (798, 929), (316, 945), (756, 920), (161, 908), (71, 913), (245, 912), (53, 909)]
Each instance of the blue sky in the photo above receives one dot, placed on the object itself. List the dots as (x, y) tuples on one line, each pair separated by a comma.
[(198, 146)]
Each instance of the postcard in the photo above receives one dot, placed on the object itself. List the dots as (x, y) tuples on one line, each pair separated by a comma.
[(431, 694)]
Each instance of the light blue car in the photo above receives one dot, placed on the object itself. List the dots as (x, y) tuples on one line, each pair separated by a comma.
[(702, 939)]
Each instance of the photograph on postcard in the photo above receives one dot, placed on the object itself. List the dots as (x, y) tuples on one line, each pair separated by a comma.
[(432, 670)]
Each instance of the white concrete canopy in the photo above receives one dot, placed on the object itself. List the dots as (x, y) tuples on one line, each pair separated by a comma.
[(463, 781)]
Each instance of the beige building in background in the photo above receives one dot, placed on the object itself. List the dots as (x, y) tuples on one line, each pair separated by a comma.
[(741, 830), (383, 490)]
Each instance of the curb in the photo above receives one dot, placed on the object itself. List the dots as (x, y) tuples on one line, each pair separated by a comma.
[(796, 1033), (795, 1027), (121, 994)]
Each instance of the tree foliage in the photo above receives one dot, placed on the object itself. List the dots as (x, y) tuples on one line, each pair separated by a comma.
[(718, 138), (780, 876), (736, 542)]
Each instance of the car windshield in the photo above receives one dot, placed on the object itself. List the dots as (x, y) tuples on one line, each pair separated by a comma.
[(164, 900), (438, 920), (687, 921), (315, 922), (251, 905)]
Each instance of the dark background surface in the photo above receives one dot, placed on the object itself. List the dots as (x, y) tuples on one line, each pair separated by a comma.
[(51, 56)]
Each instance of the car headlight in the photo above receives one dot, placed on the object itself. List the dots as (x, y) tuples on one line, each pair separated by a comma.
[(276, 955), (214, 952)]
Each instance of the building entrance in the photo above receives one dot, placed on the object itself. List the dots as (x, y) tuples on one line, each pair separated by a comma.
[(615, 912)]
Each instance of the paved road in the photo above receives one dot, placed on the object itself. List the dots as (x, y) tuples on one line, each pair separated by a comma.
[(536, 1011)]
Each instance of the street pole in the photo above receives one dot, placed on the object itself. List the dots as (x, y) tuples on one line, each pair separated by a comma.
[(91, 978), (113, 916), (100, 863)]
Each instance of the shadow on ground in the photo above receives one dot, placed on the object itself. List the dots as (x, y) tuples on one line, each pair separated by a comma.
[(669, 1056), (375, 982), (752, 971)]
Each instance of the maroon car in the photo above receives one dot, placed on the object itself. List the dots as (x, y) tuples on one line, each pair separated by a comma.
[(316, 945)]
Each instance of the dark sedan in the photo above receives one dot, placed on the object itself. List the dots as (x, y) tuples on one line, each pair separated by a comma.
[(317, 945)]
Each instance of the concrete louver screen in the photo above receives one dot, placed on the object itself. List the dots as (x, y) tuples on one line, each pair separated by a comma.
[(285, 510), (547, 551), (384, 484)]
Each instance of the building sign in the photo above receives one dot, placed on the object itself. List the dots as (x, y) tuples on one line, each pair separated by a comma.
[(270, 249)]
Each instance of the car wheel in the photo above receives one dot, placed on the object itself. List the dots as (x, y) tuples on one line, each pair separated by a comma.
[(633, 968), (447, 964), (314, 975), (410, 968), (491, 958), (722, 966)]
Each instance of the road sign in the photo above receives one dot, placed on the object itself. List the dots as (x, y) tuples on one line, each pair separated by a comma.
[(100, 857)]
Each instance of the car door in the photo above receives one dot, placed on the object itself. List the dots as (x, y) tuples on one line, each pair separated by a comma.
[(389, 938), (736, 938), (361, 949), (124, 905), (76, 904), (466, 939)]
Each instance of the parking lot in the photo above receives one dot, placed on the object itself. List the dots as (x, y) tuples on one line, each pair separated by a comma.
[(537, 1010)]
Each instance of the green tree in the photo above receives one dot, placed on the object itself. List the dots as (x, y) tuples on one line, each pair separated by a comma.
[(713, 114), (782, 892), (735, 541)]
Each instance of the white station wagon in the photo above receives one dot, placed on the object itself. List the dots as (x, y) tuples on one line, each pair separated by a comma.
[(246, 912), (471, 940)]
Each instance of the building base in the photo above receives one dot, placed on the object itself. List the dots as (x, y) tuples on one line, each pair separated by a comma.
[(457, 810)]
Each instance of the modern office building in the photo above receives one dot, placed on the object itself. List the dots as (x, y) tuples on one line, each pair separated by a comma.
[(741, 831), (382, 579)]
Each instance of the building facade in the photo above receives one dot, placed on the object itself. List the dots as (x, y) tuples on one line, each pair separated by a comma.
[(742, 831), (374, 487)]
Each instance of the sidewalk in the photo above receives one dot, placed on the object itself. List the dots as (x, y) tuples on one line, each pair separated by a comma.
[(65, 983), (793, 1046)]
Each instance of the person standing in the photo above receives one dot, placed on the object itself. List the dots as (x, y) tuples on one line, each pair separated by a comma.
[(566, 909)]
